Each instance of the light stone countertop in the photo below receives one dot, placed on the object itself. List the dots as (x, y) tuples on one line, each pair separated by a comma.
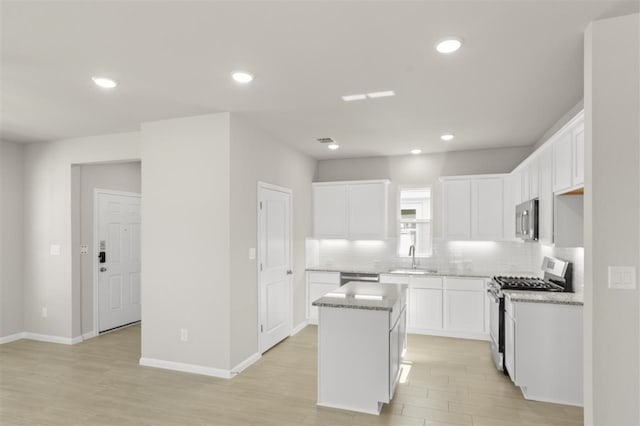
[(361, 295), (545, 297), (381, 270)]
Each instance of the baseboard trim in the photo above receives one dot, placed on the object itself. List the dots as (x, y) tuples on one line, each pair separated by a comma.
[(52, 339), (298, 328), (449, 333), (185, 368), (12, 338), (245, 364), (89, 335)]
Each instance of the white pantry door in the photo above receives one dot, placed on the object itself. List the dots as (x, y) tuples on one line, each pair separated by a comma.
[(118, 223), (274, 264)]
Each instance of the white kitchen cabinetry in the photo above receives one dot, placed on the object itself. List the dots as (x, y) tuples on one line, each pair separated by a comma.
[(457, 309), (543, 358), (464, 305), (545, 199), (354, 210), (456, 202), (568, 156), (330, 211), (424, 304), (359, 353), (319, 284), (473, 207)]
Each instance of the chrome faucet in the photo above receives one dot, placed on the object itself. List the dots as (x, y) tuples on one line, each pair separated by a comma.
[(412, 253)]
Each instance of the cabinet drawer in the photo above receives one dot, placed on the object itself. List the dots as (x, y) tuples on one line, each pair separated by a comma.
[(426, 282), (324, 277), (394, 279), (464, 284)]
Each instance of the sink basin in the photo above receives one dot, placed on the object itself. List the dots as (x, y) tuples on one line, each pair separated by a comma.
[(413, 271)]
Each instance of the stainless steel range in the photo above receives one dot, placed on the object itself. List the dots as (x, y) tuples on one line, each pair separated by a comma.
[(557, 277)]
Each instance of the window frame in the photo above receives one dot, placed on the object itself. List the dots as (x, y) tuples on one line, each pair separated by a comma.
[(399, 220)]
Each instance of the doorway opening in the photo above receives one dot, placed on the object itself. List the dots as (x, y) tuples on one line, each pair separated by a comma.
[(105, 218)]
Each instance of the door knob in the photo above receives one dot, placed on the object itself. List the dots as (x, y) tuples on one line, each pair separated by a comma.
[(103, 269), (289, 272)]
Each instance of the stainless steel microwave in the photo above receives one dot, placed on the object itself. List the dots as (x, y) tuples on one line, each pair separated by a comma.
[(527, 220)]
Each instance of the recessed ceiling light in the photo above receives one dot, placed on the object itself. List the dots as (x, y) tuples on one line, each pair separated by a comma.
[(333, 146), (416, 151), (448, 45), (242, 77), (349, 98), (381, 94), (104, 82), (447, 137)]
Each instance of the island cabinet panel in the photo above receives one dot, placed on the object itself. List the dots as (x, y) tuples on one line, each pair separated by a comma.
[(361, 344)]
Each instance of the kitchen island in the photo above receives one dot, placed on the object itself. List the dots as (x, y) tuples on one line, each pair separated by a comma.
[(361, 343)]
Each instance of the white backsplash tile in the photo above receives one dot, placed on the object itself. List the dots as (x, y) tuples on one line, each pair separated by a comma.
[(486, 257)]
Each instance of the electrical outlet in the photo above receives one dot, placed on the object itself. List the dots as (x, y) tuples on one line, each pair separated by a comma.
[(184, 334), (44, 313)]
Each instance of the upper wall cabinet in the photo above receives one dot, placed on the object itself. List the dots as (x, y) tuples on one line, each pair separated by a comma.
[(568, 157), (473, 207), (355, 210)]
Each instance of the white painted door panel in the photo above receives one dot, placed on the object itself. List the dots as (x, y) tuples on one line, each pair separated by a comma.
[(457, 209), (330, 211), (119, 277), (425, 309), (487, 209), (275, 266), (464, 310)]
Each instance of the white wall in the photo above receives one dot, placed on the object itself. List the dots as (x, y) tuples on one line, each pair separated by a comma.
[(186, 240), (255, 156), (113, 176), (612, 228), (422, 169), (11, 238), (48, 201)]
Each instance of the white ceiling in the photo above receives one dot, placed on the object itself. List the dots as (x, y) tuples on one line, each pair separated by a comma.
[(519, 70)]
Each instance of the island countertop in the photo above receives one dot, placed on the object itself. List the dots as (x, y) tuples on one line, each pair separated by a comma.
[(362, 295)]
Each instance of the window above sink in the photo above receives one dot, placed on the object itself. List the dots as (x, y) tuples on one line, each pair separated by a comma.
[(414, 221)]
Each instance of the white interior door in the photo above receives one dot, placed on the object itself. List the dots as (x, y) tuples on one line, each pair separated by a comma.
[(274, 264), (118, 224)]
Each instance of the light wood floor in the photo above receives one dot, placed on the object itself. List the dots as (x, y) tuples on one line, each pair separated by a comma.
[(99, 382)]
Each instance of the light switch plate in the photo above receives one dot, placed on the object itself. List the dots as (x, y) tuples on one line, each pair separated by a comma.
[(252, 253), (622, 277), (84, 249), (54, 250)]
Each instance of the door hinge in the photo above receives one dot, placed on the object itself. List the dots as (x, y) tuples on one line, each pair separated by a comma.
[(261, 266), (260, 205), (261, 330)]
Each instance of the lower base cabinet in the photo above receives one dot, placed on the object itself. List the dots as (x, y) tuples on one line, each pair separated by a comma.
[(445, 306), (319, 284), (543, 350)]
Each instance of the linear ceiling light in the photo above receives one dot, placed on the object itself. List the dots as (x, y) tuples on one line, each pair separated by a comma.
[(349, 98), (381, 94)]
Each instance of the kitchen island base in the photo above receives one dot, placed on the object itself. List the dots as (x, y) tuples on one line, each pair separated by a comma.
[(359, 356)]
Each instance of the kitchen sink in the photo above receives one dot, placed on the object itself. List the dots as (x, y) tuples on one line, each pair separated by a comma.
[(413, 271)]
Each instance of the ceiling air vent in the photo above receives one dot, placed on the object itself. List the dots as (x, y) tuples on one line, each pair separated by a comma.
[(326, 140)]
